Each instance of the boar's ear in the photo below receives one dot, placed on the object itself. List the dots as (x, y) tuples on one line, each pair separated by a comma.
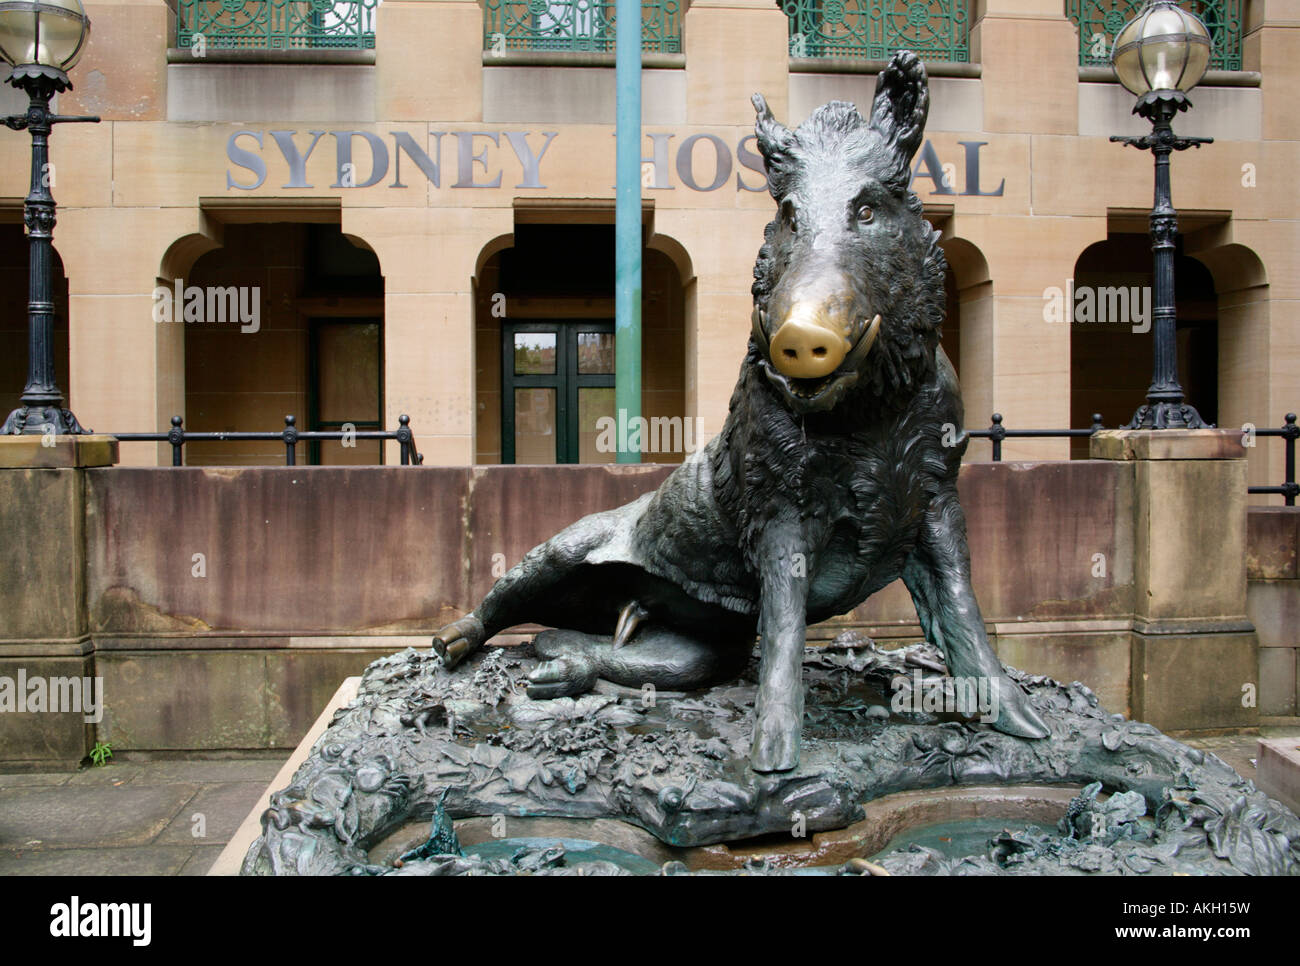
[(900, 108), (775, 141)]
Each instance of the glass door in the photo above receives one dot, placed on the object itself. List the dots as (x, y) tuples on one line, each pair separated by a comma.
[(557, 383)]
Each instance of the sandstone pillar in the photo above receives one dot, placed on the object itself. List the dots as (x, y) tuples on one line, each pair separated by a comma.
[(44, 634), (1195, 653)]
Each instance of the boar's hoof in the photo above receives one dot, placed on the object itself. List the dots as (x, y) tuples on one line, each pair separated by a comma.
[(458, 640), (776, 743), (1015, 716), (563, 677)]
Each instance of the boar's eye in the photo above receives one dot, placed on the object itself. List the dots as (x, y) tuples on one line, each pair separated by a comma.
[(787, 211), (865, 215)]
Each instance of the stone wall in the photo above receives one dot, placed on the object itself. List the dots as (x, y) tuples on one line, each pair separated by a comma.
[(1274, 604), (222, 606)]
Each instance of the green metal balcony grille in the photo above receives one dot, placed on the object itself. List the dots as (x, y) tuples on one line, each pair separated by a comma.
[(277, 24), (575, 25), (874, 29), (1100, 20)]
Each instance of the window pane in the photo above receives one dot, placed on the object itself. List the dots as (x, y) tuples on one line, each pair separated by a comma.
[(534, 353), (593, 445), (535, 426), (596, 353), (348, 372)]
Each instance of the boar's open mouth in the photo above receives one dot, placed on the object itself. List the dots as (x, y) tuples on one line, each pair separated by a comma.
[(825, 392)]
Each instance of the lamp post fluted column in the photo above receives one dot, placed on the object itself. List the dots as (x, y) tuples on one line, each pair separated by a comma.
[(1165, 407), (1160, 55)]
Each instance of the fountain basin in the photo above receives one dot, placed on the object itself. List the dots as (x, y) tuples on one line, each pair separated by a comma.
[(889, 821), (670, 779)]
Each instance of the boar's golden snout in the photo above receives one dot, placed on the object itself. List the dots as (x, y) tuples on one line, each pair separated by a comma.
[(806, 346)]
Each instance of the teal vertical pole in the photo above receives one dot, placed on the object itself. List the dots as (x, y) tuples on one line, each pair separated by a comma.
[(627, 227)]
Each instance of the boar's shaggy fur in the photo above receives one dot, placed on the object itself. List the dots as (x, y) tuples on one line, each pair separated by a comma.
[(819, 490)]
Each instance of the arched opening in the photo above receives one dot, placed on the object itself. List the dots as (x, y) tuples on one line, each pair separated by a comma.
[(950, 337), (544, 350), (13, 320), (283, 318), (968, 334), (1109, 308), (1254, 379)]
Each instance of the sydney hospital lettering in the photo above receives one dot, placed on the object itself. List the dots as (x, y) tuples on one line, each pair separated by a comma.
[(473, 166)]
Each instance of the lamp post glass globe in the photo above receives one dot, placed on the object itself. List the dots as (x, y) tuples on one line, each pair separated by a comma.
[(1163, 48), (49, 35)]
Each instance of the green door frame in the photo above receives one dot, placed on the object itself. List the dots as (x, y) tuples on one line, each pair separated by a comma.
[(566, 381)]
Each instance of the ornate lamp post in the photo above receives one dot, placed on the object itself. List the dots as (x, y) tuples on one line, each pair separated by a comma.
[(1160, 55), (41, 40)]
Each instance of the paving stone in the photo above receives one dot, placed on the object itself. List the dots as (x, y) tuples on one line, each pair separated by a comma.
[(114, 773), (1235, 750), (89, 815), (216, 770), (223, 808), (148, 860), (24, 779), (201, 860)]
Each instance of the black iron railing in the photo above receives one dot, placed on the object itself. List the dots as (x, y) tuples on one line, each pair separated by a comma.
[(291, 436), (997, 433), (1289, 489)]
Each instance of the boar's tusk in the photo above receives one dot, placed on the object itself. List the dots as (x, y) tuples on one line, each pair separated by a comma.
[(860, 350), (760, 336)]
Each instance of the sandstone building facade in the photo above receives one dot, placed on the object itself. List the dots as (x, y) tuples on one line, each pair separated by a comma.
[(414, 200)]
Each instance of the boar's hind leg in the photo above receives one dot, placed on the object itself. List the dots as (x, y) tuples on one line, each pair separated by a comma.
[(515, 597), (938, 576), (668, 660)]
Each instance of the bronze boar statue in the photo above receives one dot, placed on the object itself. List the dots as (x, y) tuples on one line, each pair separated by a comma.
[(832, 477)]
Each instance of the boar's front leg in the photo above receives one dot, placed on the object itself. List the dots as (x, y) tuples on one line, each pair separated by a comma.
[(938, 576), (778, 710)]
